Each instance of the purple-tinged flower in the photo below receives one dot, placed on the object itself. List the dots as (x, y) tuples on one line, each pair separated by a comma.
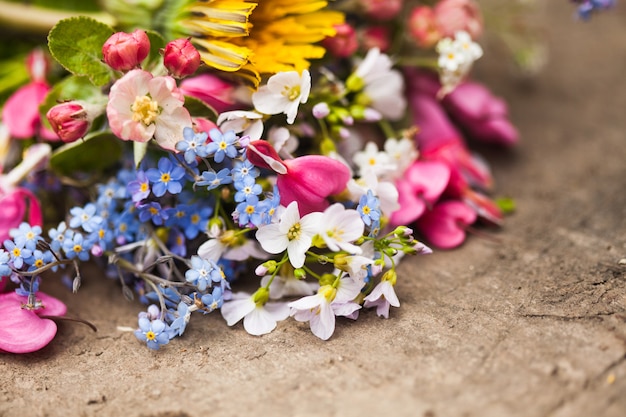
[(26, 235), (193, 145), (203, 273), (212, 179), (77, 247), (246, 187), (139, 189), (85, 217), (166, 177), (152, 212), (19, 254), (154, 333), (222, 145), (369, 208), (250, 211)]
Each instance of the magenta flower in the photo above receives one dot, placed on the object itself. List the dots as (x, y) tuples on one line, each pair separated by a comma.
[(15, 203), (142, 107), (23, 330), (308, 179), (181, 58), (214, 91), (419, 188), (21, 112), (444, 226)]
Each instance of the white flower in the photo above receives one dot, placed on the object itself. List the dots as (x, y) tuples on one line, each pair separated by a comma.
[(386, 191), (289, 286), (371, 159), (229, 246), (259, 316), (339, 227), (383, 86), (402, 152), (283, 94), (292, 233), (456, 57), (320, 310), (283, 141), (248, 123), (381, 297)]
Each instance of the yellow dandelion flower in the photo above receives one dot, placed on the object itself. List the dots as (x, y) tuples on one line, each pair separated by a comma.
[(254, 37)]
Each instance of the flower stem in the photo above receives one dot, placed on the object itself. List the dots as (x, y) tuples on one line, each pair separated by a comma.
[(34, 19)]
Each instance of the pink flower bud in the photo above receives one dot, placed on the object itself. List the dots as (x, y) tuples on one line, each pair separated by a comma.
[(344, 43), (181, 58), (455, 15), (377, 37), (382, 9), (423, 27), (321, 110), (69, 120), (125, 51), (38, 64)]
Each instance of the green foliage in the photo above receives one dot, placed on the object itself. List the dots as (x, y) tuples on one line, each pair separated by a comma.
[(76, 43), (96, 152), (199, 108), (156, 44)]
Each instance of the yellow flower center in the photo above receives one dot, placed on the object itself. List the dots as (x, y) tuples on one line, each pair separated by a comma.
[(366, 210), (165, 177), (144, 187), (145, 110), (150, 335), (16, 252), (77, 248), (294, 232), (153, 210), (250, 209), (30, 235), (39, 263), (195, 218), (292, 93)]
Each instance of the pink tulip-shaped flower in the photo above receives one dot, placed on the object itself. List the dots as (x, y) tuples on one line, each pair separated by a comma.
[(444, 226), (423, 26), (181, 58), (308, 179), (344, 43), (20, 113), (22, 330), (483, 116), (142, 107), (419, 188), (125, 51), (214, 91)]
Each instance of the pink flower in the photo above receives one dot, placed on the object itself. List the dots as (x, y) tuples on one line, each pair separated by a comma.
[(377, 37), (22, 330), (214, 91), (181, 58), (344, 43), (125, 51), (482, 115), (21, 112), (70, 120), (419, 188), (15, 204), (456, 15), (308, 179), (382, 9), (423, 27), (142, 107), (444, 226)]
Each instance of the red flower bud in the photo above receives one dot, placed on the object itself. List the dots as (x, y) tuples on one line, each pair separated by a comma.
[(181, 58), (344, 43), (69, 120), (125, 51)]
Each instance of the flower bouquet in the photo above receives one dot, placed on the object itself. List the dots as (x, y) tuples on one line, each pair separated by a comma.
[(194, 149)]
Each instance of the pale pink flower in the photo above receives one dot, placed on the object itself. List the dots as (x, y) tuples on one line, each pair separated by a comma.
[(244, 123), (142, 107), (288, 286), (211, 89), (382, 296), (339, 227)]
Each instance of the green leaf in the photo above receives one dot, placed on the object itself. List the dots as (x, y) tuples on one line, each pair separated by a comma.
[(198, 108), (157, 42), (76, 43), (97, 151)]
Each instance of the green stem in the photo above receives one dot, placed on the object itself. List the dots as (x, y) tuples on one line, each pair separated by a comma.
[(34, 19)]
